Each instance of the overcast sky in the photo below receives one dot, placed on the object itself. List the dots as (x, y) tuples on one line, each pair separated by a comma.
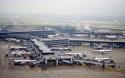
[(65, 7)]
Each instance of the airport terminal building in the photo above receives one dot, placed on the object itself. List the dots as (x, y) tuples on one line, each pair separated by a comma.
[(115, 40)]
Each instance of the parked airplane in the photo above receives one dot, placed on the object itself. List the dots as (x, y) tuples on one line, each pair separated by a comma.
[(75, 54), (107, 61), (13, 39), (22, 62), (67, 61), (19, 53), (101, 59), (102, 50), (111, 37), (60, 49)]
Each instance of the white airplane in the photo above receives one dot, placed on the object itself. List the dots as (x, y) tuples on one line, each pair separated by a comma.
[(74, 54), (13, 39), (23, 62), (111, 36), (102, 50), (67, 61), (102, 59), (20, 53), (60, 49), (108, 61)]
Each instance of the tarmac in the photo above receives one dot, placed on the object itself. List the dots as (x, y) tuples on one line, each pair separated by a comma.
[(63, 71)]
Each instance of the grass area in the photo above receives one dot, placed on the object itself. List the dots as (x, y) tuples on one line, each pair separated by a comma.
[(5, 21), (39, 20)]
